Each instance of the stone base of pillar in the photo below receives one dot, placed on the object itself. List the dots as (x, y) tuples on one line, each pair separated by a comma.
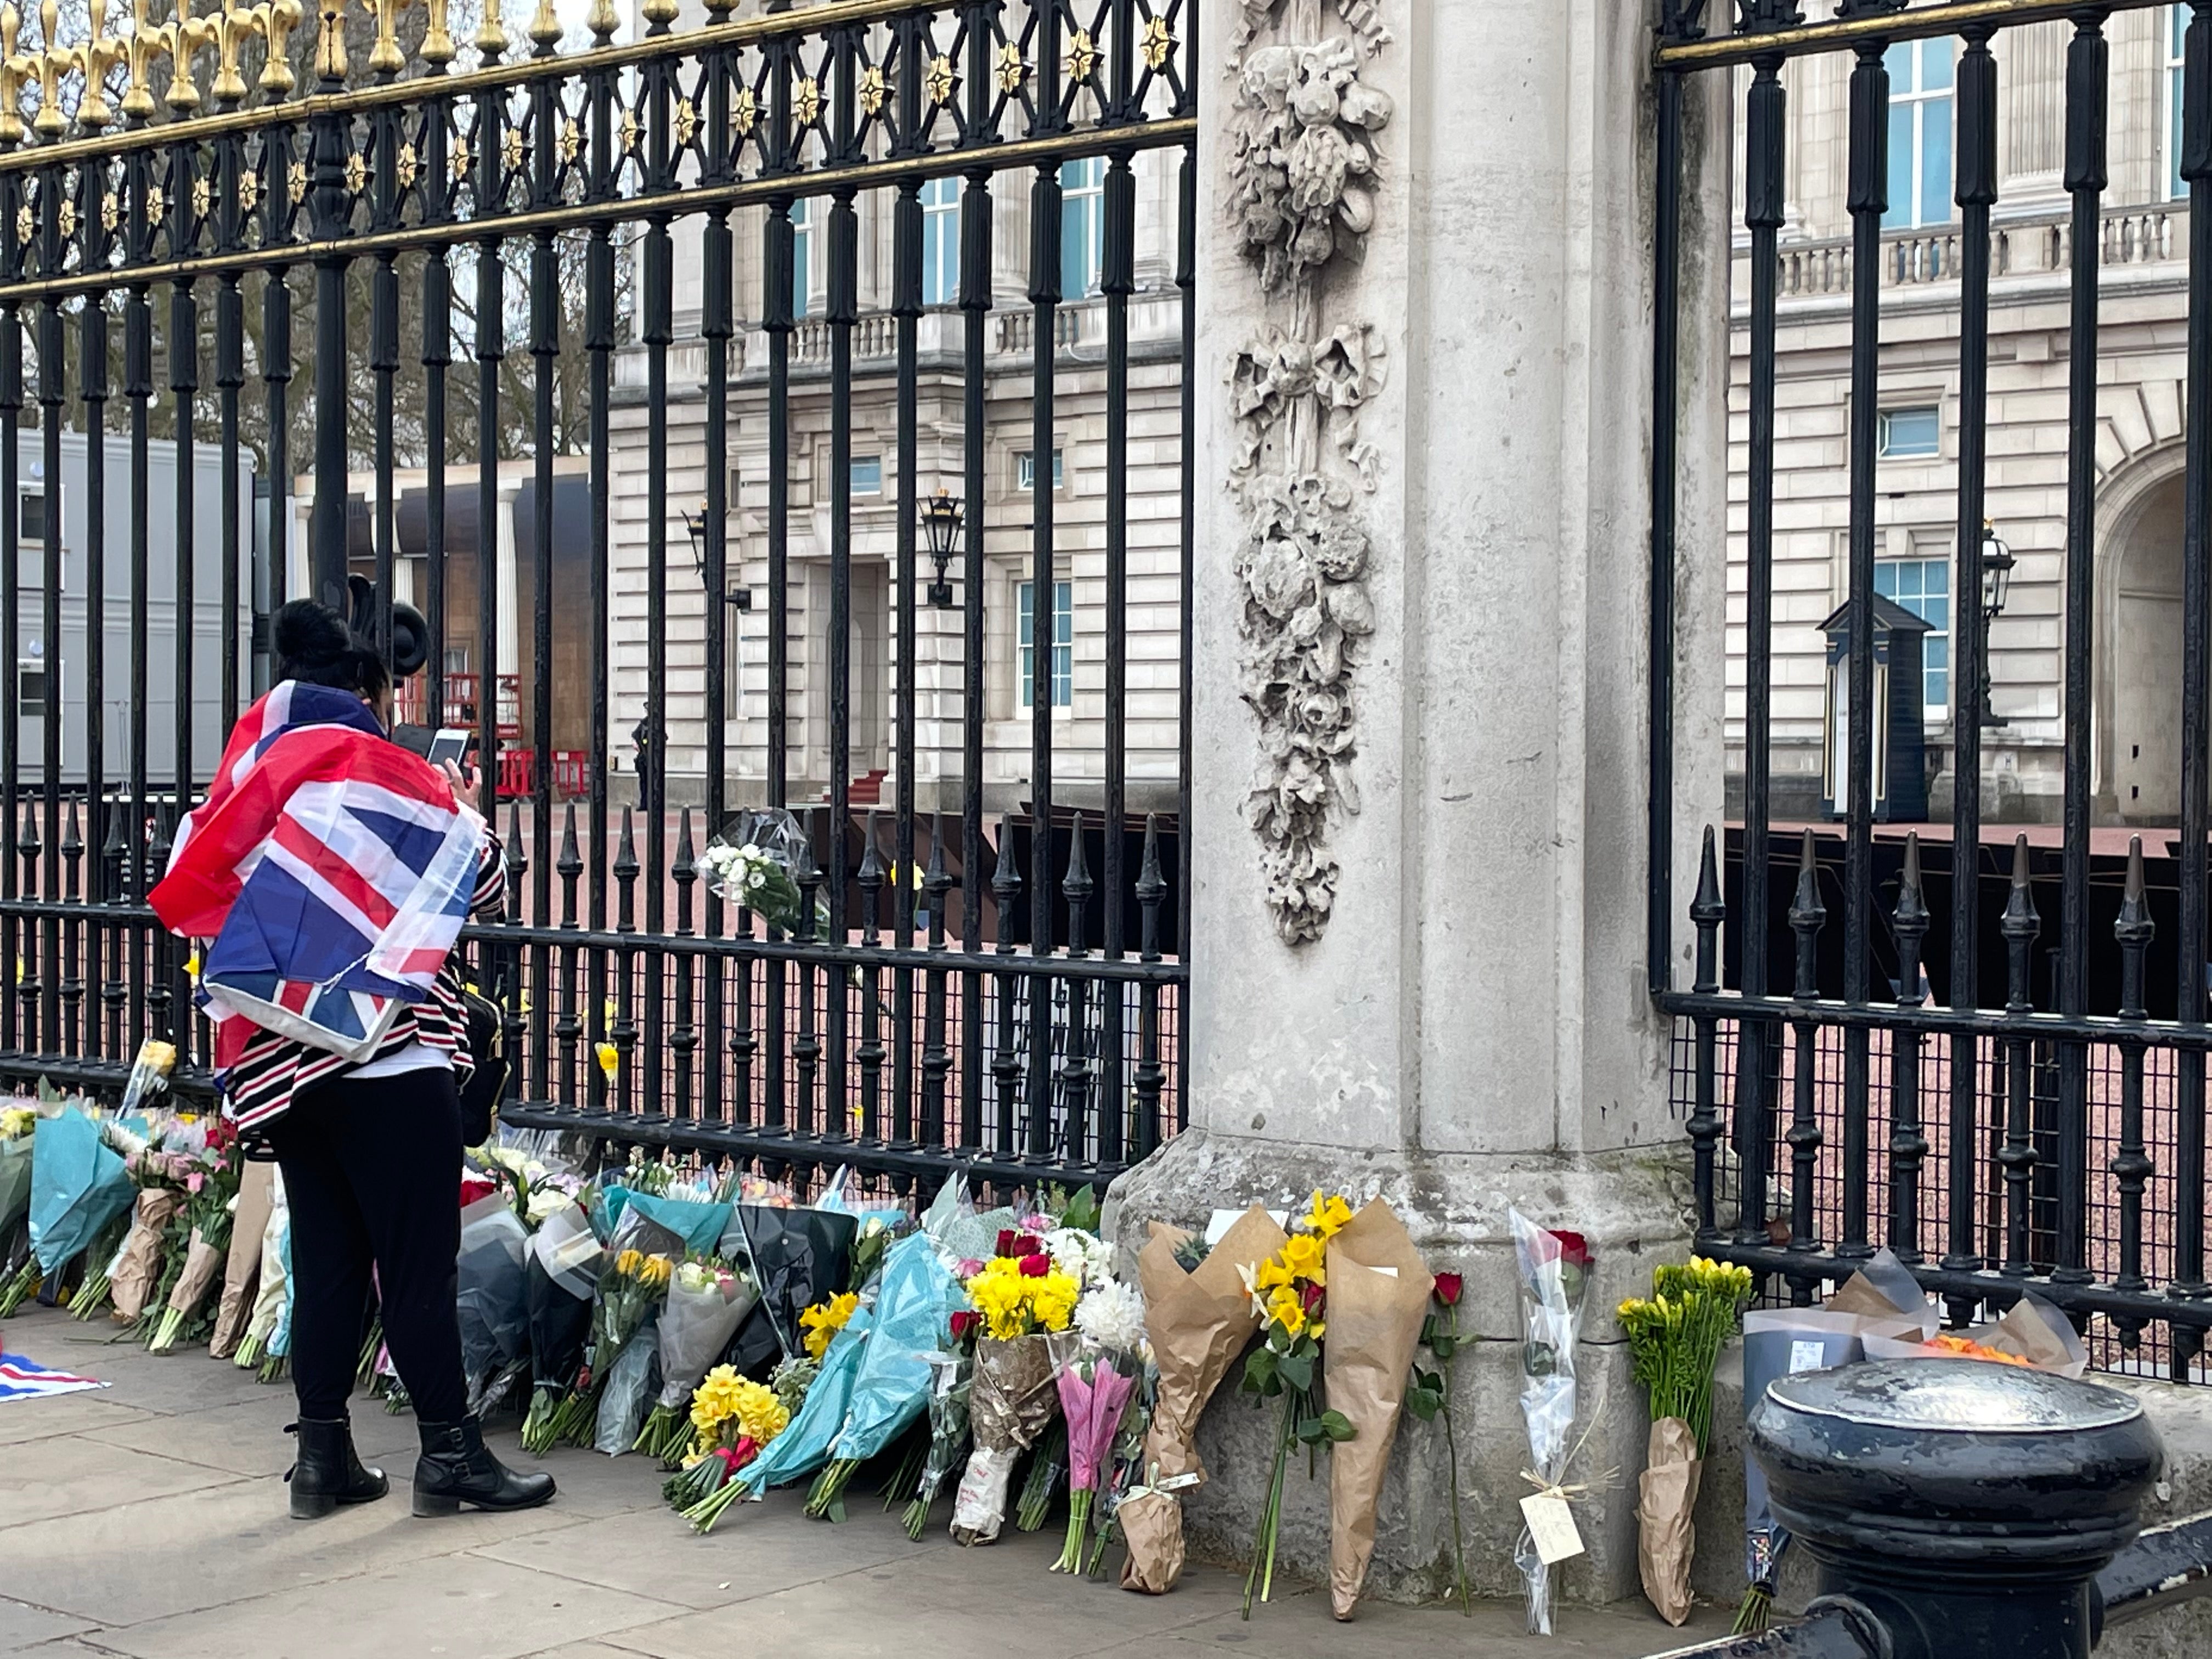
[(1633, 1207)]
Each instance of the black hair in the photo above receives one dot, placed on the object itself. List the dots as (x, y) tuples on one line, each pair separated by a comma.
[(314, 645)]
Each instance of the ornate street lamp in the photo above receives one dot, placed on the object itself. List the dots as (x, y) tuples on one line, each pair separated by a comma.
[(695, 525), (940, 522), (1998, 562)]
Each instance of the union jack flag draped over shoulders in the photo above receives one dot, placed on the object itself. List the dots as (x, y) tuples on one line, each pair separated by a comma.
[(329, 869)]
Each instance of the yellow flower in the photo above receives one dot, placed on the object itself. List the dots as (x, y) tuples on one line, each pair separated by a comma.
[(609, 1058), (1285, 1309), (716, 1399), (1328, 1216), (628, 1263), (1052, 1299), (16, 1122), (1307, 1259), (1272, 1271), (761, 1416), (824, 1320), (657, 1272)]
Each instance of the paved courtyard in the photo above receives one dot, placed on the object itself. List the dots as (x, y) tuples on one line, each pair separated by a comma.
[(147, 1519)]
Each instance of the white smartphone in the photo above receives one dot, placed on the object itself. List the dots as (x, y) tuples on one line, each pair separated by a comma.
[(450, 744)]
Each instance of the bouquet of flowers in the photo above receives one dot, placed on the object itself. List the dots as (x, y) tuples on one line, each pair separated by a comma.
[(1125, 1466), (1554, 1270), (493, 1298), (1025, 1300), (631, 1287), (753, 864), (558, 1282), (951, 1370), (78, 1185), (1674, 1340), (18, 1129), (210, 1193), (1095, 1386), (1198, 1317), (915, 1295), (732, 1421), (160, 1163), (1429, 1398), (1378, 1301), (819, 1393), (149, 1079), (800, 1258), (242, 1268), (706, 1302), (1290, 1294), (274, 1278)]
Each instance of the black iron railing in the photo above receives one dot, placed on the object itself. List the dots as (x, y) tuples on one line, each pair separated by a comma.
[(473, 236), (2044, 1132)]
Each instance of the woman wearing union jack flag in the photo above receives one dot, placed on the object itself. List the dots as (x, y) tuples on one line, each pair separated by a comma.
[(328, 873)]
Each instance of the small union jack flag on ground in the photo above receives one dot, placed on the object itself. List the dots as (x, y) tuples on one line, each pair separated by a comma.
[(22, 1379)]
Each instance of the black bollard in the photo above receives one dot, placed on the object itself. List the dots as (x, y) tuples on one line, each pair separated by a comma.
[(1965, 1507)]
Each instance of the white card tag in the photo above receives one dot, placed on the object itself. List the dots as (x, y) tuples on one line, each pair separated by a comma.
[(1218, 1224), (1807, 1355), (1551, 1527)]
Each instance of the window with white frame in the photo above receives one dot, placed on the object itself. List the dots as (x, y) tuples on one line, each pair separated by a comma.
[(1063, 644), (2176, 33), (867, 475), (1082, 225), (1923, 587), (940, 242), (1919, 134), (1025, 470), (1913, 432), (802, 254)]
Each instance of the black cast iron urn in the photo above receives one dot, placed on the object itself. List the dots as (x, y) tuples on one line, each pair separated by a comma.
[(1965, 1506)]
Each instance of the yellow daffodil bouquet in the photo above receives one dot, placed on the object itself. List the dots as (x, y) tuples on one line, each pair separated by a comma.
[(1675, 1340), (731, 1418), (1290, 1291)]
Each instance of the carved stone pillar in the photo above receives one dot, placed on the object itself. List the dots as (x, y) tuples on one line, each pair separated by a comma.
[(1424, 367)]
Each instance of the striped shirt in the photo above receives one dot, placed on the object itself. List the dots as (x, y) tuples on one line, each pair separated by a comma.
[(272, 1069)]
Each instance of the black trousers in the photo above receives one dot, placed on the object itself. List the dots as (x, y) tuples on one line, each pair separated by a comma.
[(372, 1172)]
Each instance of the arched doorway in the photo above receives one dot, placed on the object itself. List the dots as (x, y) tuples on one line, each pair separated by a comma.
[(2142, 641)]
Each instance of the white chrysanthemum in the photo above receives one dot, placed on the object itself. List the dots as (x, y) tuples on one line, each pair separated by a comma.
[(1112, 1315), (1084, 1257)]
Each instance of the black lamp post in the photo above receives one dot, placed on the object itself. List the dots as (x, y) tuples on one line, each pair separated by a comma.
[(695, 525), (940, 522), (1998, 562)]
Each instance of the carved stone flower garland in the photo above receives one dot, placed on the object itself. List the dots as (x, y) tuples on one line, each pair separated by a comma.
[(1303, 165)]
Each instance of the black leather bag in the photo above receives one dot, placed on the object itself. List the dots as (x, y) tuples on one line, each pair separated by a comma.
[(480, 1096)]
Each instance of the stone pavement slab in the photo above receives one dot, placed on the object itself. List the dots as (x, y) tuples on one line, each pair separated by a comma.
[(147, 1521)]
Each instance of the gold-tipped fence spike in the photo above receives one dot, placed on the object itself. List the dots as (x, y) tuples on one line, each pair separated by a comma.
[(186, 35), (491, 33), (605, 19), (384, 58), (237, 25), (545, 27), (658, 14), (144, 46), (55, 62), (98, 57), (280, 21), (331, 66), (15, 69), (437, 36)]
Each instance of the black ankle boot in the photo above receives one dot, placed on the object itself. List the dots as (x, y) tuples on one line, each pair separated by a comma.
[(457, 1467), (328, 1473)]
